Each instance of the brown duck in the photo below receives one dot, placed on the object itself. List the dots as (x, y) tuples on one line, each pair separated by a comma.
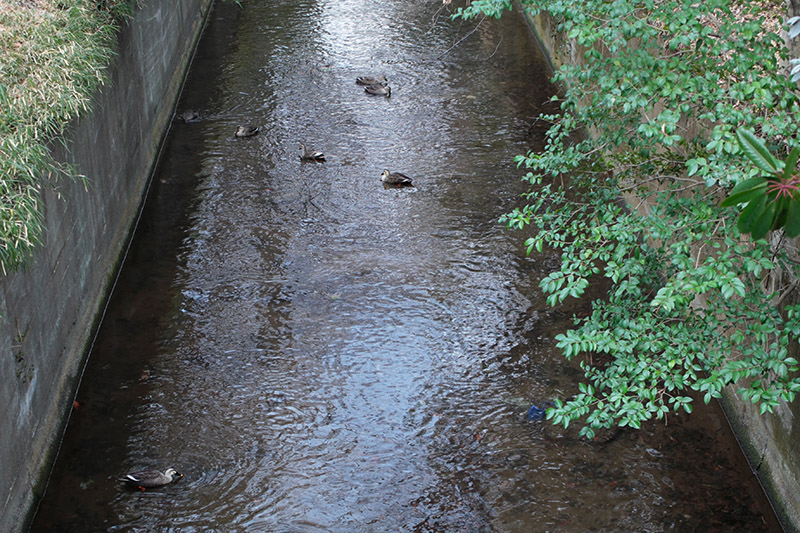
[(310, 155), (246, 131), (369, 80), (378, 90), (395, 179), (147, 479)]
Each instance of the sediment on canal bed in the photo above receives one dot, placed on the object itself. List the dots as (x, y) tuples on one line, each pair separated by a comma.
[(50, 308), (766, 440)]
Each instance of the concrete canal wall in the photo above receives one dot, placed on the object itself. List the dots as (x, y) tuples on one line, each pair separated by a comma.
[(768, 441), (50, 309)]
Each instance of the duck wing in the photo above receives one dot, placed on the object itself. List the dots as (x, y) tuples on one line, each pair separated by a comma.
[(146, 478)]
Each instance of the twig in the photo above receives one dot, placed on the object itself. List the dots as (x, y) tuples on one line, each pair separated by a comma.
[(463, 38), (786, 292), (496, 48), (435, 17)]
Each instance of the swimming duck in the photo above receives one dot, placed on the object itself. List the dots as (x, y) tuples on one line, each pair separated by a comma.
[(310, 155), (147, 479), (246, 131), (395, 178), (368, 80), (190, 115), (378, 90)]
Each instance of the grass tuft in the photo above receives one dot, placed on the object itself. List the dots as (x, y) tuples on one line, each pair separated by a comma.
[(53, 56)]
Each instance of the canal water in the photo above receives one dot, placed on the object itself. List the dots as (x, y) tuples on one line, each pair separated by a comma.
[(316, 352)]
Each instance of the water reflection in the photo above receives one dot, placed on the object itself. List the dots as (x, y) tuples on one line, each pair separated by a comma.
[(317, 353)]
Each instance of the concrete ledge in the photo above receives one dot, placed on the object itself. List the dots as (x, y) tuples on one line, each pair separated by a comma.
[(51, 309), (769, 443)]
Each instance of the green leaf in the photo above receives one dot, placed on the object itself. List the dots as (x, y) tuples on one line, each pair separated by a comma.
[(746, 191), (791, 163), (756, 151), (750, 214), (764, 221), (792, 225)]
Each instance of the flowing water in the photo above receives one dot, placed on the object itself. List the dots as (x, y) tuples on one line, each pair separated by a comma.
[(315, 352)]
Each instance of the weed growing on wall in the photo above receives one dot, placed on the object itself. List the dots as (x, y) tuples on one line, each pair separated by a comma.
[(692, 303), (52, 57)]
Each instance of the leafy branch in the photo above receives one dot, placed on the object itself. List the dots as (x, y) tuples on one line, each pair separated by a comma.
[(671, 93)]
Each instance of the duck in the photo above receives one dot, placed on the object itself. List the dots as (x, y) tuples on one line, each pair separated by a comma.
[(378, 90), (395, 178), (246, 131), (147, 479), (369, 80), (310, 155), (190, 115)]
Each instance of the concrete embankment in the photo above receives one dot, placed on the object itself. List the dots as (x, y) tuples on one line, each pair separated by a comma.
[(50, 309), (768, 441)]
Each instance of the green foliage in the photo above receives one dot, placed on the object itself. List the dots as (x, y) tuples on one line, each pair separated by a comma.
[(53, 59), (490, 8), (686, 305)]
